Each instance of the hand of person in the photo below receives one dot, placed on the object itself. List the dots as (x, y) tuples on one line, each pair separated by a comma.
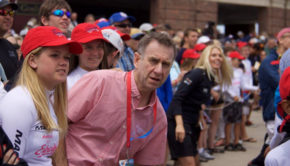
[(10, 157), (179, 133), (236, 98), (215, 95)]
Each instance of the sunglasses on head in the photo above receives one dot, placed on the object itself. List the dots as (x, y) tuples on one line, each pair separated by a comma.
[(123, 25), (60, 13), (4, 12)]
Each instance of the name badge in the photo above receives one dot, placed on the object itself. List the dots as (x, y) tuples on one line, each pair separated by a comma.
[(129, 162)]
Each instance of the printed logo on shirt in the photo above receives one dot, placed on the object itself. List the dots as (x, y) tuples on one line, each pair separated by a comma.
[(39, 127), (11, 54), (17, 141), (205, 90), (187, 81), (45, 150)]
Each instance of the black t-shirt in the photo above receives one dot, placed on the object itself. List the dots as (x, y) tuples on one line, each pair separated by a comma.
[(193, 91), (8, 58)]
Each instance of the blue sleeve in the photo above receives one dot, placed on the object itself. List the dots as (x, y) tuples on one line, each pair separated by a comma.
[(165, 93), (277, 99)]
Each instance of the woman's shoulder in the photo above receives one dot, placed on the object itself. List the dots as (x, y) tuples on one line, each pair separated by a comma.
[(196, 72), (17, 97)]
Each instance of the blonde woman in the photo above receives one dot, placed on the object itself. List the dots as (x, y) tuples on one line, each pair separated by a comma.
[(33, 114), (184, 113)]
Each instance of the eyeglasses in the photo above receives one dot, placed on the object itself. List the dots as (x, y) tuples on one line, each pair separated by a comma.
[(60, 13), (124, 25), (4, 12)]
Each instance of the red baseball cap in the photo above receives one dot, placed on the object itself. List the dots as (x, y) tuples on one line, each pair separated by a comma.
[(124, 36), (86, 32), (241, 44), (199, 47), (284, 88), (236, 54), (189, 53), (282, 32), (47, 36)]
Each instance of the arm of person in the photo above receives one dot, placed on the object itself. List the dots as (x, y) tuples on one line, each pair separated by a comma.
[(189, 82), (82, 96), (17, 120)]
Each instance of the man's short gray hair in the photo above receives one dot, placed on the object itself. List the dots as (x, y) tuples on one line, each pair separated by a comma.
[(162, 38)]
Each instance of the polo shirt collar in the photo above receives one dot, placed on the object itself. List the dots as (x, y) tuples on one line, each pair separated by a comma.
[(136, 94)]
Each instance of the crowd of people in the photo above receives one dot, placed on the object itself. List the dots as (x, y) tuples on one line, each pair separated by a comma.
[(103, 92)]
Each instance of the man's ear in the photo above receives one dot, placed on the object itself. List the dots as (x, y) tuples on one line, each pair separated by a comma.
[(137, 58), (32, 61), (285, 104), (44, 20)]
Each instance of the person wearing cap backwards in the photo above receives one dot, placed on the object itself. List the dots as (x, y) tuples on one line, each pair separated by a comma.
[(90, 59), (123, 23), (189, 101), (113, 48), (38, 121), (8, 54), (279, 156), (56, 13), (232, 113), (116, 117)]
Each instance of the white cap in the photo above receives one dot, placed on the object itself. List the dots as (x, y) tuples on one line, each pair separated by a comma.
[(146, 27), (114, 38), (203, 39)]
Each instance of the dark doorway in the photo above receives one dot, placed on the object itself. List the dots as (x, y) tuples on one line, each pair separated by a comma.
[(234, 28), (139, 9), (238, 18)]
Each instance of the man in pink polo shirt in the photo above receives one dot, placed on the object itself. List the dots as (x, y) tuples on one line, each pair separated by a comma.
[(116, 117)]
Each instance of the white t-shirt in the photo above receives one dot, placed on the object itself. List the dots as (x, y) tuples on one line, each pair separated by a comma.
[(19, 119), (235, 89), (247, 83), (278, 137), (279, 156), (74, 76)]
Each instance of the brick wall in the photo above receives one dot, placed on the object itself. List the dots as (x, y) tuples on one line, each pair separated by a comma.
[(272, 20), (182, 14)]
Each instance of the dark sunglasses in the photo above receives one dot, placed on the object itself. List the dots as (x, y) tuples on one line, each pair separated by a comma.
[(60, 13), (123, 25), (4, 12)]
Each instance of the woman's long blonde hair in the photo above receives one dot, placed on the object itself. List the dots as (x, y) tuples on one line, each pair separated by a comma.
[(224, 76), (29, 79)]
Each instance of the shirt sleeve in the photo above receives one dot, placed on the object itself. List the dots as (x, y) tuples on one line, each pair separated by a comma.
[(82, 96), (189, 82), (245, 85), (17, 119), (154, 151)]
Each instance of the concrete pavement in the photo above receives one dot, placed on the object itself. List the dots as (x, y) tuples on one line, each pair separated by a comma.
[(257, 131)]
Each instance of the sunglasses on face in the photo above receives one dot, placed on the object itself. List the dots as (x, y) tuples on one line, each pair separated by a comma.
[(4, 12), (60, 13), (124, 25)]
